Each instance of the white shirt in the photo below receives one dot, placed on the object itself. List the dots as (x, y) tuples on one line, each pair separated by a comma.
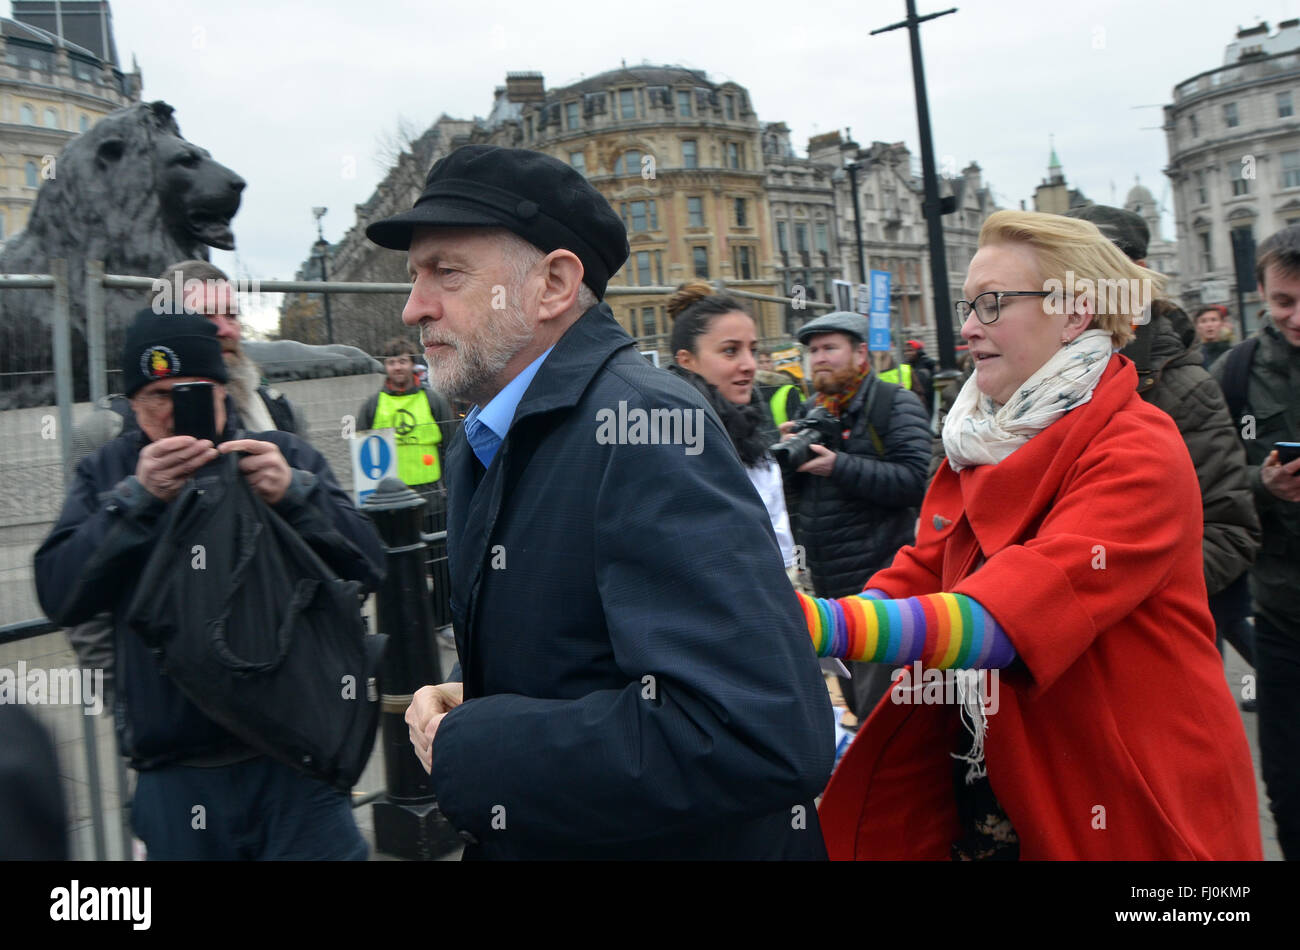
[(766, 476)]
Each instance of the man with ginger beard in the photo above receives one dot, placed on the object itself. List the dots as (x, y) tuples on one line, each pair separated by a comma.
[(857, 500)]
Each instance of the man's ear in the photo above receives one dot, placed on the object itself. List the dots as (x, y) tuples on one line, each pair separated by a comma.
[(561, 275)]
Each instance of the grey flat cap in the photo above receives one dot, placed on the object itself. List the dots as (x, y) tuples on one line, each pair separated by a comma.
[(841, 321)]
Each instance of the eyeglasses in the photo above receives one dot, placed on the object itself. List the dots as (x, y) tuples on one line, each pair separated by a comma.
[(988, 305)]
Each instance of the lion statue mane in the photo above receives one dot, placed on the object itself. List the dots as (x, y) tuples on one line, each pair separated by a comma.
[(131, 192)]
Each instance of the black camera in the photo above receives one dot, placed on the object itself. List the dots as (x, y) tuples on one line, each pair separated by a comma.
[(819, 427)]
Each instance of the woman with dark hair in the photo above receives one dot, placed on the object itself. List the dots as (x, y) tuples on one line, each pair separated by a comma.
[(714, 345), (1058, 694)]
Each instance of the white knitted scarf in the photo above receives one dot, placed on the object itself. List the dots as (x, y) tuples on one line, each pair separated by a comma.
[(979, 431)]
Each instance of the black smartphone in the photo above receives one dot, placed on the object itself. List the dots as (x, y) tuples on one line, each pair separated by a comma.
[(1287, 451), (192, 411)]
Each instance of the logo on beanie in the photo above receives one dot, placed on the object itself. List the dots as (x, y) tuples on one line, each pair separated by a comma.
[(159, 362)]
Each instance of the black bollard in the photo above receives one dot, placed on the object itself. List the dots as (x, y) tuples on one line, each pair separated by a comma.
[(408, 823), (439, 569)]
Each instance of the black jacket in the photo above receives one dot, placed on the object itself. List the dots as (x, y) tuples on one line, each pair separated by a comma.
[(852, 522), (93, 558), (639, 680), (1170, 376), (1273, 403)]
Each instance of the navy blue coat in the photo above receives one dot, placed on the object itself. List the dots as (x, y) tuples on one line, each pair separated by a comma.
[(639, 679)]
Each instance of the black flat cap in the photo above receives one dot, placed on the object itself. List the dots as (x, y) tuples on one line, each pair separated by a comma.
[(539, 198), (1126, 230)]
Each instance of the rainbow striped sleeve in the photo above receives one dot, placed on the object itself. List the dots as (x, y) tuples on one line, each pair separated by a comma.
[(943, 631)]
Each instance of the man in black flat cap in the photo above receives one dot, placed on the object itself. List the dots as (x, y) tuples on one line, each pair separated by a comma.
[(636, 679), (201, 793)]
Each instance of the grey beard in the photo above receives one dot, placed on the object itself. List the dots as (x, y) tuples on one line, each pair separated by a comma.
[(244, 379), (472, 371)]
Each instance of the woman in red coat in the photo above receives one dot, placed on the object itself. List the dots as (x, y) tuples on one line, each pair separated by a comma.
[(1060, 695)]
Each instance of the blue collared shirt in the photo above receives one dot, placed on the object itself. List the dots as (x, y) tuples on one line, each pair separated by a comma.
[(486, 426)]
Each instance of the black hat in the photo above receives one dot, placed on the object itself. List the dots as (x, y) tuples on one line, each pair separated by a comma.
[(539, 198), (159, 346), (841, 321), (1126, 230)]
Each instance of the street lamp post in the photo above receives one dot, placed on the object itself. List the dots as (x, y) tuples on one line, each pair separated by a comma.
[(321, 248), (852, 169), (934, 208)]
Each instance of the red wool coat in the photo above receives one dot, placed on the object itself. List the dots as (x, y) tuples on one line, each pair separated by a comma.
[(1122, 740)]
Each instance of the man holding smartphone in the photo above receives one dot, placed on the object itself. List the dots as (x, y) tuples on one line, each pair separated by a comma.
[(201, 794), (1269, 366), (257, 407)]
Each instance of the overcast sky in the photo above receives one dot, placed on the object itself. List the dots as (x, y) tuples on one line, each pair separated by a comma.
[(295, 95)]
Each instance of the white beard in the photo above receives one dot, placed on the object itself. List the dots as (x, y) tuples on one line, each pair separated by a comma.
[(245, 377)]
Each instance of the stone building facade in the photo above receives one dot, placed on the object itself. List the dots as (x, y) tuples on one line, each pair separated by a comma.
[(894, 232), (802, 200), (58, 75), (679, 157), (1233, 136)]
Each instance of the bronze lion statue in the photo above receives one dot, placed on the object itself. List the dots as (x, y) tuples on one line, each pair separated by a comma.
[(131, 192)]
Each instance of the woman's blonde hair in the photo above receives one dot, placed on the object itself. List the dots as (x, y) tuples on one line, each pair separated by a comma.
[(1077, 261)]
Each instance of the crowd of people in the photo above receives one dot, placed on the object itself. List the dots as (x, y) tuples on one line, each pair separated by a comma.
[(1028, 573)]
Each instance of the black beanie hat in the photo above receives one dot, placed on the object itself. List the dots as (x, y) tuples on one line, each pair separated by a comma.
[(159, 346)]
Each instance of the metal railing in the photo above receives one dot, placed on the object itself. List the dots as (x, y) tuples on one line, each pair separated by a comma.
[(28, 630)]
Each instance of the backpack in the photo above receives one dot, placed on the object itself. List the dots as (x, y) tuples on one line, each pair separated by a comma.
[(1236, 376), (258, 632), (879, 410)]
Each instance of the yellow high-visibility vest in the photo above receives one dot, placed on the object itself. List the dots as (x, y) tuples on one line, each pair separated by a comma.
[(780, 399), (416, 432), (892, 375)]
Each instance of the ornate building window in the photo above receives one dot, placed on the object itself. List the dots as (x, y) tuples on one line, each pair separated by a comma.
[(690, 157), (1291, 169), (700, 261), (695, 212), (744, 270), (28, 115), (1284, 109), (629, 163)]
